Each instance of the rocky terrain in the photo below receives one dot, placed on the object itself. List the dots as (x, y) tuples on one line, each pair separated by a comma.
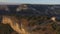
[(38, 18)]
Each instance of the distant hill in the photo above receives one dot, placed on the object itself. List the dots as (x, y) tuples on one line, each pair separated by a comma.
[(33, 9)]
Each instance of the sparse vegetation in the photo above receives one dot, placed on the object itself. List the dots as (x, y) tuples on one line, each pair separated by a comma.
[(34, 21)]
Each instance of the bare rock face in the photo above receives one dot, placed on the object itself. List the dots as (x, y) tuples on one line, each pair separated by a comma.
[(33, 26), (22, 7)]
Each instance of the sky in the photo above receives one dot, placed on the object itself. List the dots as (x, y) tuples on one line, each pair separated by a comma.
[(30, 1)]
